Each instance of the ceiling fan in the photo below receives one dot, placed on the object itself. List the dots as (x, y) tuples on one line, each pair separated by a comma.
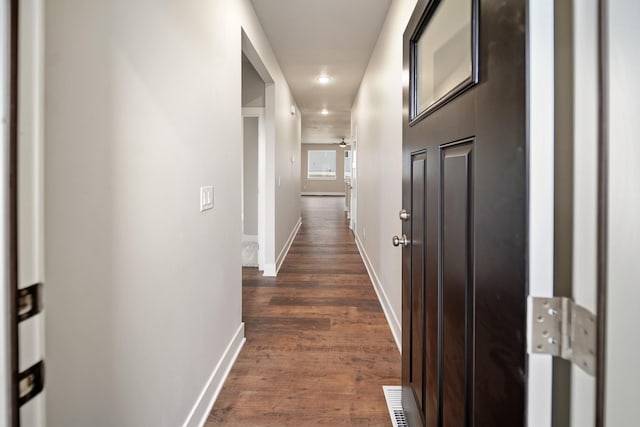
[(346, 142), (341, 144)]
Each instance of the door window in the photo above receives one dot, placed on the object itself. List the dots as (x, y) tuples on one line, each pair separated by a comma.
[(443, 53)]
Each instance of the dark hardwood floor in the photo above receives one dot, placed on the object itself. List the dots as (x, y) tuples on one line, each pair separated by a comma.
[(318, 345)]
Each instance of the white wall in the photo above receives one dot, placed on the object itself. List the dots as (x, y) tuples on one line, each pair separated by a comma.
[(623, 345), (377, 120), (252, 85), (250, 178), (322, 186), (287, 172), (143, 292)]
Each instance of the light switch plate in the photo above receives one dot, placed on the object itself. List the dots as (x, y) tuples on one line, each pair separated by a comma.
[(206, 198)]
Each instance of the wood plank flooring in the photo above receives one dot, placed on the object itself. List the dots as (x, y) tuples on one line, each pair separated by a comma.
[(318, 345)]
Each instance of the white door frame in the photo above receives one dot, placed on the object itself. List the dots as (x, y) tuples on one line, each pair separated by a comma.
[(30, 169), (21, 344), (267, 159), (259, 113), (354, 182), (6, 284), (540, 93), (580, 395)]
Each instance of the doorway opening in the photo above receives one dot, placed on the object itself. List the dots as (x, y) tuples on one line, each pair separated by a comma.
[(252, 169), (258, 175), (353, 181)]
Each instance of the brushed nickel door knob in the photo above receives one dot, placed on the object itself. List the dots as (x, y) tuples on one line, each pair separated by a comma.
[(397, 241)]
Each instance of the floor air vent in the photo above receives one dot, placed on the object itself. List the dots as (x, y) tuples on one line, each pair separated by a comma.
[(393, 395)]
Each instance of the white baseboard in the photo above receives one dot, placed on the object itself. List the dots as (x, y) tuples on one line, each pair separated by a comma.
[(200, 411), (271, 270), (287, 246), (249, 238), (392, 319), (322, 193)]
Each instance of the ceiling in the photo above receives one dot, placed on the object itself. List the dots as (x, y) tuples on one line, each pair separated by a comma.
[(314, 37)]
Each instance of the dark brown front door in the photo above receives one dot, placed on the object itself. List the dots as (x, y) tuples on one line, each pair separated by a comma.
[(464, 186)]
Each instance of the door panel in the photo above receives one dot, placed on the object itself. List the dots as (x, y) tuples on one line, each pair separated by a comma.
[(457, 284), (417, 279), (468, 245)]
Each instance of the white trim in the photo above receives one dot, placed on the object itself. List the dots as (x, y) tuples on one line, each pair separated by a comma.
[(353, 206), (262, 205), (5, 355), (540, 123), (272, 269), (287, 246), (209, 394), (392, 319), (322, 193), (585, 194), (269, 176), (31, 187)]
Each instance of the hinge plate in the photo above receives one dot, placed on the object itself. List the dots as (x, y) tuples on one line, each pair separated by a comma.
[(30, 383), (29, 301), (559, 327)]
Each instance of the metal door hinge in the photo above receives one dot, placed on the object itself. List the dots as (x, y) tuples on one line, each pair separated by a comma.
[(560, 327), (30, 383), (29, 301)]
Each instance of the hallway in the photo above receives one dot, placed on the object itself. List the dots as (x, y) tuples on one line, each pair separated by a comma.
[(318, 345)]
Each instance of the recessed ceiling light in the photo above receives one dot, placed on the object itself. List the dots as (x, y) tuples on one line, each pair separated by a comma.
[(324, 112), (323, 79)]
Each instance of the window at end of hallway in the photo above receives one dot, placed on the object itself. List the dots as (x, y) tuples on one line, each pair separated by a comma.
[(321, 164)]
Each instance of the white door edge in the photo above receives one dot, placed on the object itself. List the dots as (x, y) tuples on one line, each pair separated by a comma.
[(540, 136), (5, 321)]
